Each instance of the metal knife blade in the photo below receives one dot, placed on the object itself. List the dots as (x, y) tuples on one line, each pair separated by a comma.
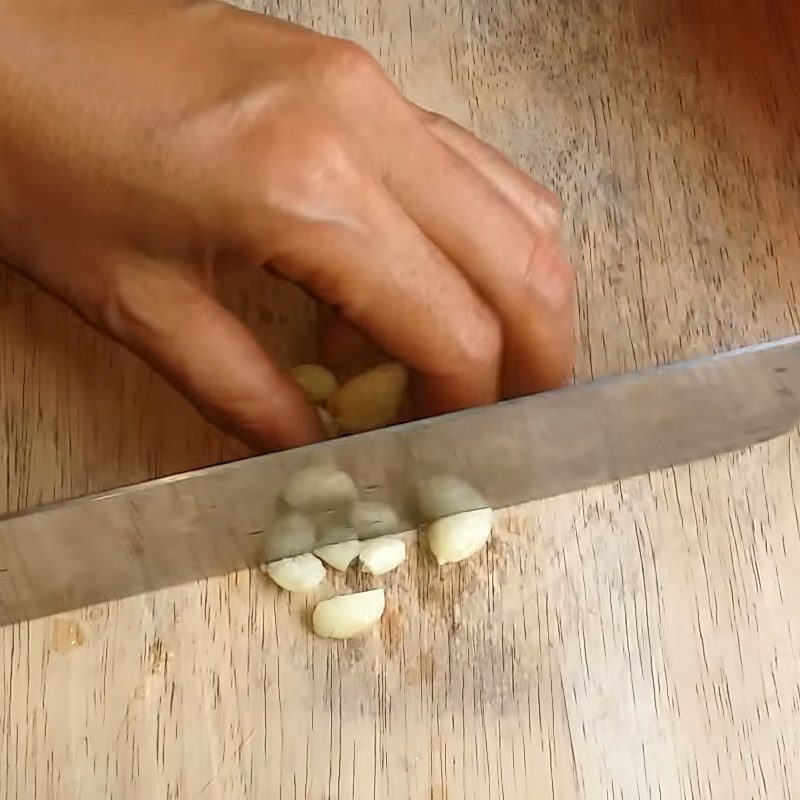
[(219, 519)]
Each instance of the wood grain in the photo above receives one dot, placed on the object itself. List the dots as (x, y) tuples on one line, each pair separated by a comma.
[(636, 640)]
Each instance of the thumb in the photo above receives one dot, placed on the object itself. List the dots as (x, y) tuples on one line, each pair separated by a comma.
[(185, 334)]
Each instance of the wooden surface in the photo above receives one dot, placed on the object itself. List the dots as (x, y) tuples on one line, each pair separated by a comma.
[(637, 640)]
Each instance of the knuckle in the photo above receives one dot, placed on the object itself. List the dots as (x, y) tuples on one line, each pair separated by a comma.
[(283, 176), (547, 274), (480, 345), (292, 152), (552, 204), (255, 144), (308, 171), (323, 165), (348, 66), (544, 212)]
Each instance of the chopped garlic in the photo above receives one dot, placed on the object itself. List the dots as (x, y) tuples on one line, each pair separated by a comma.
[(339, 556), (371, 399), (444, 495), (316, 381), (372, 518), (320, 488), (349, 614), (460, 536), (383, 554), (297, 574)]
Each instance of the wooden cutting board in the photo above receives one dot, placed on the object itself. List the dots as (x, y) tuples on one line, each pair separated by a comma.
[(636, 640)]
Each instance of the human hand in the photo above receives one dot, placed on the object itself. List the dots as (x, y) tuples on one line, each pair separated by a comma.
[(146, 147)]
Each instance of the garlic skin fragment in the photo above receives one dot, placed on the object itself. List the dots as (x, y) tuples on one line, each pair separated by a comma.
[(460, 536), (371, 399), (339, 556), (318, 382), (348, 615), (320, 488), (382, 555), (372, 518), (443, 495), (297, 574)]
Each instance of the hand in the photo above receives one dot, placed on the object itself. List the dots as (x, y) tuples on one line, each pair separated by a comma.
[(145, 147)]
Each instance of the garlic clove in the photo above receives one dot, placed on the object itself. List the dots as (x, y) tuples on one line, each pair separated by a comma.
[(372, 518), (318, 382), (297, 574), (382, 555), (371, 399), (339, 556), (333, 530), (348, 615), (320, 488), (292, 533), (460, 536), (444, 495)]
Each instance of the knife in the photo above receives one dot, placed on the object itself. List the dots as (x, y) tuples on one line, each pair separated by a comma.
[(217, 520)]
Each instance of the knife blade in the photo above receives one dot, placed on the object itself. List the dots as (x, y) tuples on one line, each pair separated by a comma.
[(216, 520)]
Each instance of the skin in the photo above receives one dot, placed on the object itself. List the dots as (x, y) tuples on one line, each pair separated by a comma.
[(148, 147)]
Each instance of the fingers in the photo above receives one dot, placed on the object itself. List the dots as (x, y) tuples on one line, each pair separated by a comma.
[(208, 355), (530, 199), (502, 232), (344, 349), (374, 266)]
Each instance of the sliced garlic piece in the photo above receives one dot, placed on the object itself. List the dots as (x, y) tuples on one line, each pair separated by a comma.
[(458, 537), (318, 382), (382, 555), (372, 518), (297, 574), (443, 495), (371, 399), (339, 556), (320, 488), (348, 614)]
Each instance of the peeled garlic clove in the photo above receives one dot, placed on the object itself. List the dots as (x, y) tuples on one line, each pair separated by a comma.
[(317, 382), (458, 537), (292, 533), (320, 488), (382, 555), (349, 614), (339, 556), (371, 399), (371, 518), (297, 574), (444, 495)]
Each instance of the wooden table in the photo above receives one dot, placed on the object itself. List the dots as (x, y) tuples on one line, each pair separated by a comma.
[(636, 640)]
